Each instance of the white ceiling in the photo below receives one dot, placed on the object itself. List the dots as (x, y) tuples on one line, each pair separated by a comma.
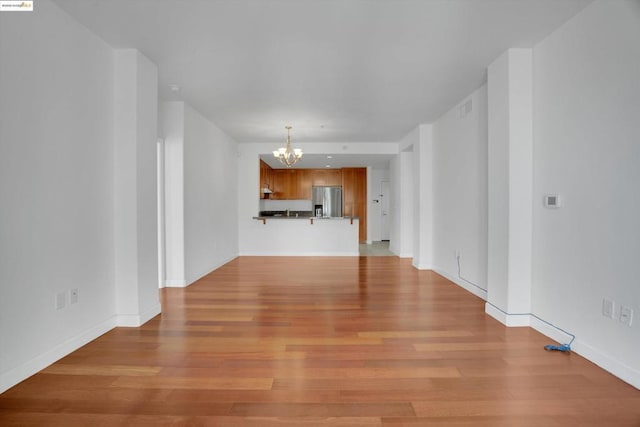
[(336, 70), (315, 161)]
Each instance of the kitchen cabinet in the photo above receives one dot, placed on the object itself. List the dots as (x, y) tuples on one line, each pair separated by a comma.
[(326, 177), (304, 181), (354, 195), (295, 184), (266, 178), (318, 177), (285, 184), (334, 176)]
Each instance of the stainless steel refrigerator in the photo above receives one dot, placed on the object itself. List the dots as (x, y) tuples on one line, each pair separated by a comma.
[(327, 201)]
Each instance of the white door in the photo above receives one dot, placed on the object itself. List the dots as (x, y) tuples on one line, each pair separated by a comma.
[(384, 210)]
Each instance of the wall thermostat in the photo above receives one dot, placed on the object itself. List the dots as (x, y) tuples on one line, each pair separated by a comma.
[(551, 201)]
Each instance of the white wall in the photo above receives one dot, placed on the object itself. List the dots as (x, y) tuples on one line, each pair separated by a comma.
[(248, 201), (423, 199), (210, 196), (412, 198), (146, 182), (56, 188), (460, 193), (201, 208), (403, 196), (510, 177), (394, 205), (172, 131), (587, 149), (136, 239)]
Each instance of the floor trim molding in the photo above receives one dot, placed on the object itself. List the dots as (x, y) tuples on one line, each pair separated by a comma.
[(41, 361)]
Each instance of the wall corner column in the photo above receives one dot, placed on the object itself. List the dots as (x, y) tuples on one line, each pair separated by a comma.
[(510, 187), (135, 233), (423, 207)]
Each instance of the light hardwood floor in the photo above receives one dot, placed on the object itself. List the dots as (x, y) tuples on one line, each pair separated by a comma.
[(357, 341)]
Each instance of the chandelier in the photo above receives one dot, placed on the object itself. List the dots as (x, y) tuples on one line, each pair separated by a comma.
[(286, 155)]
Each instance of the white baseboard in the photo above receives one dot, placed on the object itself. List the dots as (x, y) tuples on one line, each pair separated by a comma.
[(175, 283), (211, 269), (481, 293), (135, 320), (549, 331), (38, 363), (606, 362), (512, 320), (423, 266), (495, 313)]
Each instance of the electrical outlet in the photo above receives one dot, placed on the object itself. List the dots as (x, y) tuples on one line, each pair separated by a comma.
[(61, 300), (608, 308), (626, 315), (73, 296)]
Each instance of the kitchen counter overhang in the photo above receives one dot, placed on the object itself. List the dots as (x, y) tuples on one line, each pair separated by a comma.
[(307, 218)]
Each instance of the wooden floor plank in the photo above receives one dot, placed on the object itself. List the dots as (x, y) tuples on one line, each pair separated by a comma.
[(338, 341), (378, 409)]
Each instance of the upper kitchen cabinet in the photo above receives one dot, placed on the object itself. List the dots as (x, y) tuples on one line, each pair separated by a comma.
[(334, 176), (326, 177), (266, 178), (288, 184), (285, 184), (304, 178), (296, 184)]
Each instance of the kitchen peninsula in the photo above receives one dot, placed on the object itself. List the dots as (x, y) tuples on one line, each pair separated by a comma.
[(308, 212), (305, 236), (297, 184)]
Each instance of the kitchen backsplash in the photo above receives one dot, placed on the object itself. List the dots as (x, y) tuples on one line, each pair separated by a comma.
[(283, 205)]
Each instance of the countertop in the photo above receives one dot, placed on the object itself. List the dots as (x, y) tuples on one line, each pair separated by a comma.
[(304, 217)]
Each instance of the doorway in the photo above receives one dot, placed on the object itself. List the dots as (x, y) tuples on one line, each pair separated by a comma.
[(375, 249)]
